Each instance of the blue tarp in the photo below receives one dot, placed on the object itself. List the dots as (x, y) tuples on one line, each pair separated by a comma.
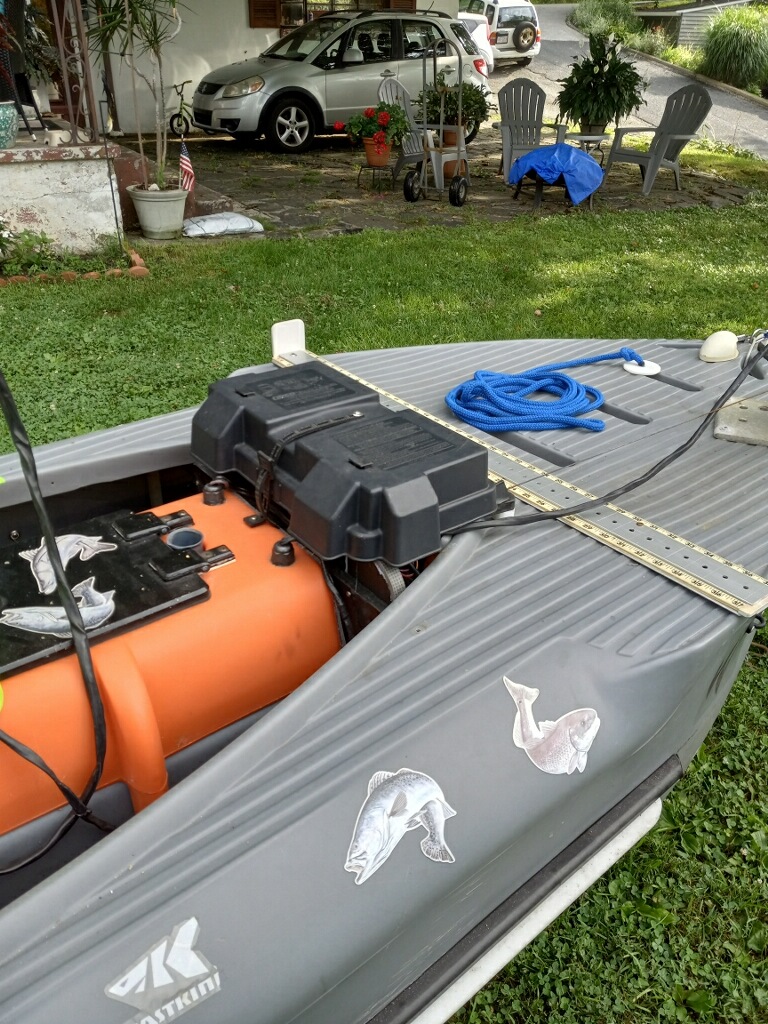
[(581, 175)]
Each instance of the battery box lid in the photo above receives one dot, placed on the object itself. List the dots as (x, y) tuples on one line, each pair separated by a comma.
[(351, 476)]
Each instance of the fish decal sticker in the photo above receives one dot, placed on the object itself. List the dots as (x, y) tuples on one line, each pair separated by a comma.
[(559, 748), (95, 609), (70, 545), (396, 803)]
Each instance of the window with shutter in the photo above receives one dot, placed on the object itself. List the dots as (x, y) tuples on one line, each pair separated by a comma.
[(263, 13)]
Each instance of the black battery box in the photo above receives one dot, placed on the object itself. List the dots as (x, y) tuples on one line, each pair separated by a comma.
[(350, 476)]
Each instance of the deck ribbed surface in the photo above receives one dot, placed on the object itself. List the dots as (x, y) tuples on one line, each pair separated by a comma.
[(705, 495)]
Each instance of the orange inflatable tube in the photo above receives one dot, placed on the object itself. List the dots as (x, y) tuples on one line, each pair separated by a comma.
[(172, 681)]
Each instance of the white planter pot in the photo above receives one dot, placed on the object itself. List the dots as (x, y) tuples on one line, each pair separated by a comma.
[(161, 213)]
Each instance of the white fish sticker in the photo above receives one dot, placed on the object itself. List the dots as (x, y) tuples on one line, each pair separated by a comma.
[(396, 803), (70, 545), (559, 747), (95, 609)]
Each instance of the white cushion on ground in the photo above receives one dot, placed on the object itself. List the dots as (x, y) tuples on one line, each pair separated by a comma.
[(220, 224)]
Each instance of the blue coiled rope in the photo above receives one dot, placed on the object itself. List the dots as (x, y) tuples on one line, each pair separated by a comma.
[(500, 401)]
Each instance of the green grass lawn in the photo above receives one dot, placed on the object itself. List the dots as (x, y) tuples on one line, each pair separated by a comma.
[(678, 931)]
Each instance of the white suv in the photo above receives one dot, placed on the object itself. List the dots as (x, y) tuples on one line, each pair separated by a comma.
[(329, 69), (515, 32)]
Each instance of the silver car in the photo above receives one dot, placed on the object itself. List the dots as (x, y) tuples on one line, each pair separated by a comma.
[(329, 69)]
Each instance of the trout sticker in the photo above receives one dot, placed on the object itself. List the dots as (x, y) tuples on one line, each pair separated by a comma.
[(558, 748)]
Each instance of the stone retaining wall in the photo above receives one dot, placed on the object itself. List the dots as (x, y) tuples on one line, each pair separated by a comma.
[(67, 192)]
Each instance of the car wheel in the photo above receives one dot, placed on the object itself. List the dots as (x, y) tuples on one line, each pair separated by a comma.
[(412, 186), (471, 128), (290, 125), (457, 193), (524, 62), (524, 36)]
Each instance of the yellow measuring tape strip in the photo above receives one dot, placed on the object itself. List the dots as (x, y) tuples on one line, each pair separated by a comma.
[(719, 580)]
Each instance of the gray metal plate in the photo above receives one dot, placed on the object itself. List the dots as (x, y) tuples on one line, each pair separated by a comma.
[(745, 421)]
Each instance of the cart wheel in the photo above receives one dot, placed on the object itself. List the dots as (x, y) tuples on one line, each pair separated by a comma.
[(457, 193), (412, 186)]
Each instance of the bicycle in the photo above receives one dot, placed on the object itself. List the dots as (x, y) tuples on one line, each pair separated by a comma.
[(179, 123)]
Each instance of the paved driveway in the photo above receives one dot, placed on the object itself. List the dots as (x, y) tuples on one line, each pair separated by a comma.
[(735, 118)]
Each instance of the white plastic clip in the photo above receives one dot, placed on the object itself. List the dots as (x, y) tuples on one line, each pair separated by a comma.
[(288, 336)]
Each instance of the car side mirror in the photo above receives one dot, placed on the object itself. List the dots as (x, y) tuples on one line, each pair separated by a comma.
[(353, 55)]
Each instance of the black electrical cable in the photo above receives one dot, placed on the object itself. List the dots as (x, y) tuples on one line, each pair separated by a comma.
[(80, 642), (585, 506)]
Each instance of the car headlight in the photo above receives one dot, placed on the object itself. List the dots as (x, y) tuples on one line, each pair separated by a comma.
[(244, 88)]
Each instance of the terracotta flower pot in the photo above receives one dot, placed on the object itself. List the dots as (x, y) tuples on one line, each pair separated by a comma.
[(373, 158), (452, 167)]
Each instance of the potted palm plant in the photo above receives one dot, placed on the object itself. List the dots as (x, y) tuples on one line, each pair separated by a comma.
[(139, 30), (600, 88)]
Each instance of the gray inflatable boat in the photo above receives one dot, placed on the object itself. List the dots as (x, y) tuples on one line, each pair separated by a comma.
[(333, 698)]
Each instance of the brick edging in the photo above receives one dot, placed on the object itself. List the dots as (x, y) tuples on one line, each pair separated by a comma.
[(137, 269)]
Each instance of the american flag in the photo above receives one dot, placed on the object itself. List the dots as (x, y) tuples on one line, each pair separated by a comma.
[(185, 168)]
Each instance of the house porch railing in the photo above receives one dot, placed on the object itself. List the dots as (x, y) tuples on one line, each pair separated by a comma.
[(78, 94)]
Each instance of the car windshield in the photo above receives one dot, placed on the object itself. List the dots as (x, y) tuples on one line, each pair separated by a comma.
[(509, 16), (297, 45)]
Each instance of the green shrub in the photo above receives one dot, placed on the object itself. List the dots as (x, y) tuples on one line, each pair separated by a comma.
[(736, 47), (684, 57), (601, 17), (647, 41), (27, 252), (24, 251)]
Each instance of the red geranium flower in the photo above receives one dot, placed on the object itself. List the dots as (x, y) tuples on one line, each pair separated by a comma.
[(383, 119), (380, 141), (369, 112), (338, 126)]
